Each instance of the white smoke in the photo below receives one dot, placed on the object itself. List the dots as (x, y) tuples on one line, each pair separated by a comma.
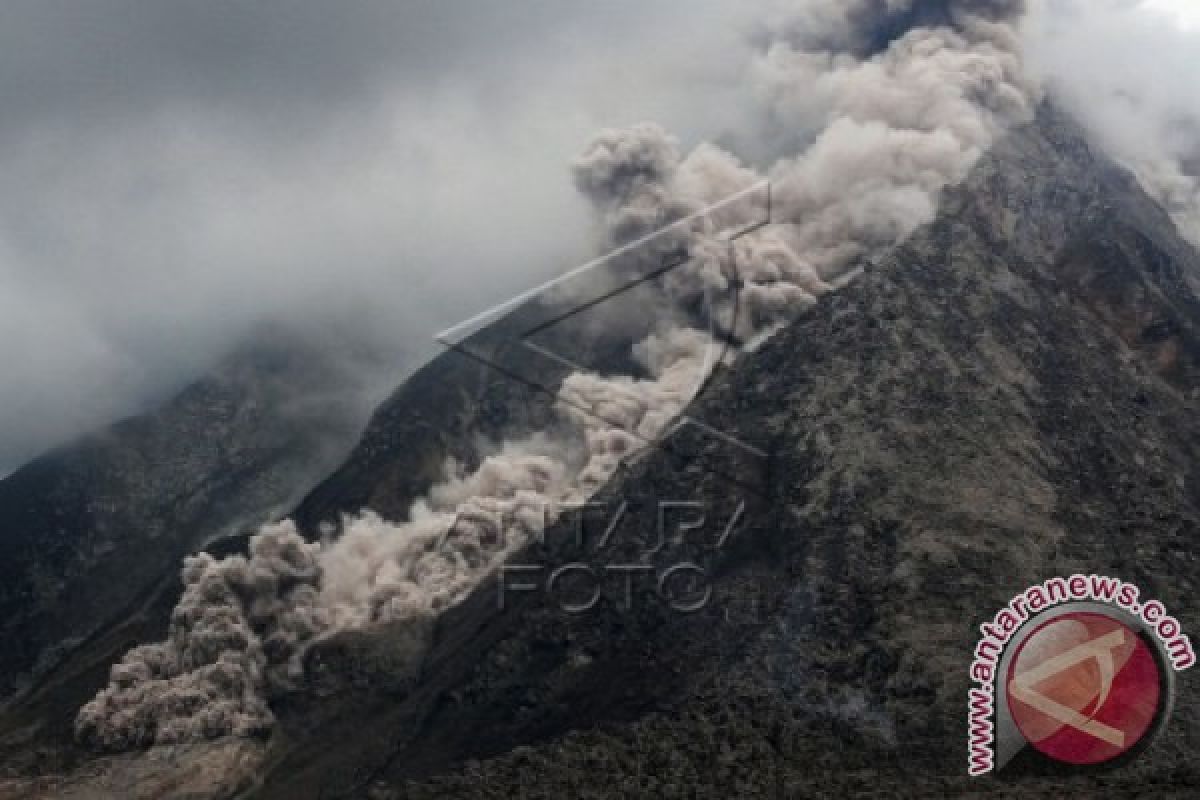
[(1128, 74), (899, 99)]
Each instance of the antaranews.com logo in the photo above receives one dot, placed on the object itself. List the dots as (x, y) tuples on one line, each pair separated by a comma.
[(1077, 670)]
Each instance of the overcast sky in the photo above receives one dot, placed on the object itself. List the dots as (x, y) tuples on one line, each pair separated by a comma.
[(1184, 12), (171, 172)]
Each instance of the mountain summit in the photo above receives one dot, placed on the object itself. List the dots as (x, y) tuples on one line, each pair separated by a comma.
[(1006, 397)]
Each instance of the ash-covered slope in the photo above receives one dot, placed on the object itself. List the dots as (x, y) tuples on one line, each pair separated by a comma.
[(1007, 397), (469, 399), (93, 532)]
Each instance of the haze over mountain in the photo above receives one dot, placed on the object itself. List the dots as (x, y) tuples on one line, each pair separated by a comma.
[(170, 174), (93, 532)]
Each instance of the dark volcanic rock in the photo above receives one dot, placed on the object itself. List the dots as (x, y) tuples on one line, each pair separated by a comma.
[(492, 388), (93, 533), (1006, 398)]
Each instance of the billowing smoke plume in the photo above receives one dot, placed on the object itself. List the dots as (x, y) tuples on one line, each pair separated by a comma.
[(234, 640), (381, 572), (901, 99)]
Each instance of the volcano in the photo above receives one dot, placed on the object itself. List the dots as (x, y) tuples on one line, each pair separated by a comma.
[(1008, 396)]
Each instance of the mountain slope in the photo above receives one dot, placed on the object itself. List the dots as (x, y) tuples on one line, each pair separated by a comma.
[(1007, 397), (94, 532)]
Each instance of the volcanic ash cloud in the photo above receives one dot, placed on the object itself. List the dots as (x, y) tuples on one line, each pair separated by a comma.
[(893, 101)]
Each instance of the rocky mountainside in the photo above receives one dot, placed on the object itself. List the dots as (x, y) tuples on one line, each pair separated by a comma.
[(1007, 397), (93, 532)]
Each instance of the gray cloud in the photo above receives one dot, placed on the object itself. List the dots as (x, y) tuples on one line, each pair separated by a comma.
[(871, 177), (172, 172), (1129, 74), (899, 120)]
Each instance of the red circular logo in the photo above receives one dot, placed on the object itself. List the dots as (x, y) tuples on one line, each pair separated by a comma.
[(1084, 688)]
